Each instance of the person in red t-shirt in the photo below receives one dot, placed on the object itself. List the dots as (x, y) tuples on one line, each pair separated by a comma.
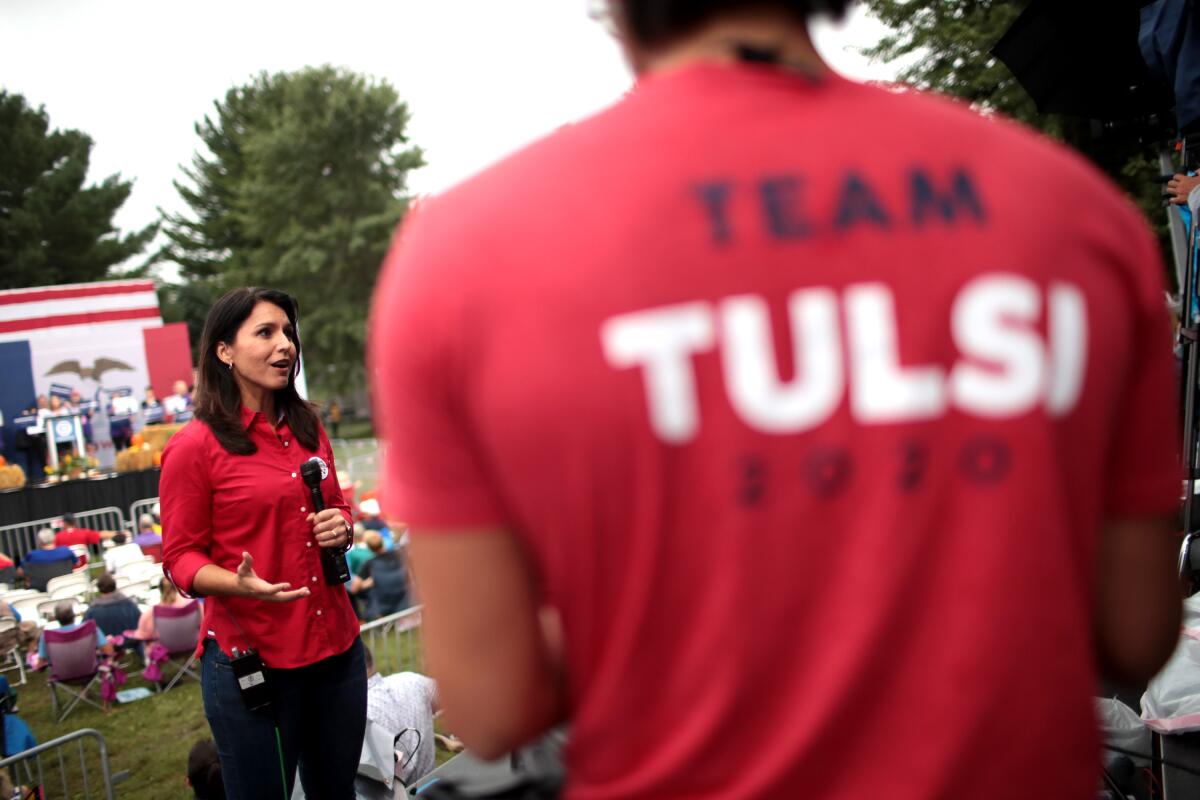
[(838, 438), (70, 535), (239, 529)]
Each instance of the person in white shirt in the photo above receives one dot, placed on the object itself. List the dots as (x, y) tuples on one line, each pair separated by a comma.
[(404, 704)]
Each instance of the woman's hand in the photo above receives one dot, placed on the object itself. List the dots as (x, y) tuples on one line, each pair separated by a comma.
[(251, 585), (329, 528)]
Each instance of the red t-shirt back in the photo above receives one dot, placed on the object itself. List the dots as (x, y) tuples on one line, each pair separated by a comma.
[(809, 400)]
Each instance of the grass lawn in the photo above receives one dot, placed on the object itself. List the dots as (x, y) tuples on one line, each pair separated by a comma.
[(150, 738)]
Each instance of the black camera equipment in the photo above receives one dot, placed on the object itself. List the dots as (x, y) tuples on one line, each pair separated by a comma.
[(333, 562)]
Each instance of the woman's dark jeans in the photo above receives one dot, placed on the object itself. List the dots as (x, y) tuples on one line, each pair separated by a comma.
[(321, 714)]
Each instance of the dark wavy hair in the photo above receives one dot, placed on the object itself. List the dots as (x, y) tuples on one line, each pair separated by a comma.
[(655, 22), (204, 771), (218, 401)]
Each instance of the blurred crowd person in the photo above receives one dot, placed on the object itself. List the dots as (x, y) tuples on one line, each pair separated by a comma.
[(169, 597), (204, 771), (382, 579), (72, 534), (404, 704), (113, 612)]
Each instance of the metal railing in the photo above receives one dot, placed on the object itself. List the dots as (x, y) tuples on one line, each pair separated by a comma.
[(61, 771), (137, 509), (359, 458), (17, 540), (395, 641)]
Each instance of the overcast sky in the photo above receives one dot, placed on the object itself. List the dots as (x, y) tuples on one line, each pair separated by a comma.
[(481, 77)]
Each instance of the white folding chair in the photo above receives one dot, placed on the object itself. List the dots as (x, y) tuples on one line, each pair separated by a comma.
[(10, 658), (45, 609), (75, 579), (71, 590), (27, 606), (138, 588)]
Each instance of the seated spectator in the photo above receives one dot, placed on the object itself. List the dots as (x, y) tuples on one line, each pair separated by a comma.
[(147, 536), (204, 771), (48, 550), (169, 597), (404, 704), (359, 554), (384, 578), (123, 552), (64, 620), (373, 521), (113, 612), (372, 515), (70, 534), (17, 736), (26, 633)]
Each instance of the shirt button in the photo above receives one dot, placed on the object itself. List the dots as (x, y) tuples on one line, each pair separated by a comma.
[(308, 544), (293, 474), (319, 612), (314, 578), (285, 444), (301, 508)]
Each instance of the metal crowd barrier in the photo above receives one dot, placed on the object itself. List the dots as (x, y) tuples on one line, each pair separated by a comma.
[(395, 641), (17, 540), (137, 509), (53, 767)]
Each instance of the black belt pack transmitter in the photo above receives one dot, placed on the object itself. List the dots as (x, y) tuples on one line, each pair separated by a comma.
[(252, 679)]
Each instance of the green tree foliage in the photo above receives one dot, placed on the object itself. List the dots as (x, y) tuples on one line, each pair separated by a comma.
[(945, 46), (53, 229), (302, 184)]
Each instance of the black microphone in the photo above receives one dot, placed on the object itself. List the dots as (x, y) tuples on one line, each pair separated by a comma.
[(333, 561)]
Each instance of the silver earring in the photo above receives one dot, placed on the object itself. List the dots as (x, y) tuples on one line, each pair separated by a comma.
[(230, 365)]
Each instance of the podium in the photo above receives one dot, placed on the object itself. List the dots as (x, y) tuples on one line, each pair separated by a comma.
[(67, 428)]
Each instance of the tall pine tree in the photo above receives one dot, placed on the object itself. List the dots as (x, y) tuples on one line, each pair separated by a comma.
[(302, 184), (53, 229)]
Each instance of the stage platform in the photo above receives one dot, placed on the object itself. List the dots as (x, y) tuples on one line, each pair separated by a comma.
[(83, 494)]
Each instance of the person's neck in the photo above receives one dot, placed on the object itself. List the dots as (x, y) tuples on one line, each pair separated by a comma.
[(726, 40), (260, 400)]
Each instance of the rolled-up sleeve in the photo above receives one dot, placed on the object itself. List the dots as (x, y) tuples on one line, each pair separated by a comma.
[(185, 499)]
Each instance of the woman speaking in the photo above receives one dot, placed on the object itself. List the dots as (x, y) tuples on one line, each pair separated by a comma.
[(282, 672)]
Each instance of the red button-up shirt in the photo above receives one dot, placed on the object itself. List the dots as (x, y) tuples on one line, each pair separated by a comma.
[(216, 505)]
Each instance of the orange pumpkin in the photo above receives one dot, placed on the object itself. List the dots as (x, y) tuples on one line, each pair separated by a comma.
[(158, 458), (2, 461), (136, 440)]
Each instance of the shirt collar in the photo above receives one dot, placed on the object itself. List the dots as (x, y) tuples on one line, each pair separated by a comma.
[(249, 416)]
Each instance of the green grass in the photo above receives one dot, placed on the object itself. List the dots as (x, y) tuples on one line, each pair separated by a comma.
[(150, 738)]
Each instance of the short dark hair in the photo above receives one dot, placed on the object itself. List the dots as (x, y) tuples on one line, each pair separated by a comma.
[(218, 400), (64, 612), (68, 518), (204, 771), (654, 22), (106, 583)]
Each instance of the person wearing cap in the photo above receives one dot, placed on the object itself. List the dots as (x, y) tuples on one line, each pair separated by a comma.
[(843, 447)]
